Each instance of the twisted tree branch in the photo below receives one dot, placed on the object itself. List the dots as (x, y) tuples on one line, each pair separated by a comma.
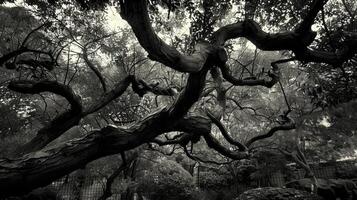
[(36, 87), (225, 133), (288, 125), (135, 12)]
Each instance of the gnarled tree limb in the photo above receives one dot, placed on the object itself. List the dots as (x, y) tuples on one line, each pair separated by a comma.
[(72, 117), (214, 144), (21, 175), (225, 133), (287, 125), (36, 87), (139, 86), (135, 12), (274, 75), (58, 125), (297, 40)]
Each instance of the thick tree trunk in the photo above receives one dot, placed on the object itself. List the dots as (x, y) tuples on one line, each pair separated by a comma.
[(22, 175)]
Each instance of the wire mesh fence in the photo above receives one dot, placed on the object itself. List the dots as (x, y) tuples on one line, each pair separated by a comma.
[(329, 170), (93, 187)]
